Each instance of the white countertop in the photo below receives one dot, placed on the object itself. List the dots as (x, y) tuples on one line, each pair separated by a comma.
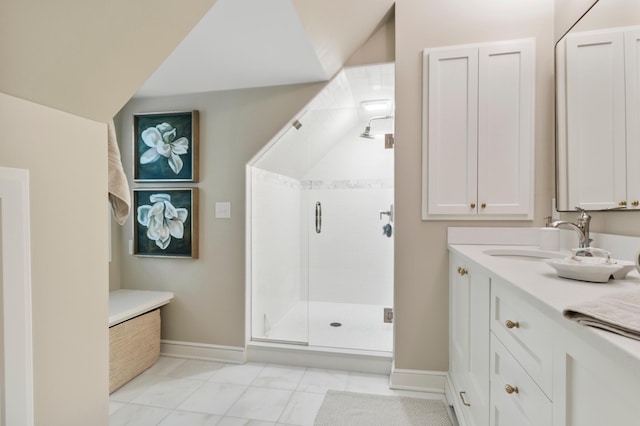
[(126, 304), (552, 294)]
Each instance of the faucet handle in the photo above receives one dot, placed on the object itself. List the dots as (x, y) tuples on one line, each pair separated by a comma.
[(583, 213)]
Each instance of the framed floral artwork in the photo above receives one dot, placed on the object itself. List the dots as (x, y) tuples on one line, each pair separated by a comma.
[(166, 147), (166, 222)]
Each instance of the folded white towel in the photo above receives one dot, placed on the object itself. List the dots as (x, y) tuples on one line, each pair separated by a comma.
[(618, 313), (119, 196)]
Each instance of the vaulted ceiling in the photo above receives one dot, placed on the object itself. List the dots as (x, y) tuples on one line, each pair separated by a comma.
[(89, 57)]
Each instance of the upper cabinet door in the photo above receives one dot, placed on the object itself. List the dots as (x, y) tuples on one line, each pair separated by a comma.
[(632, 81), (451, 92), (478, 131), (595, 99), (505, 127)]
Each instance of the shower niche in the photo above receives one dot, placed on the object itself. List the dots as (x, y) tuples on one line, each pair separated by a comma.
[(320, 223)]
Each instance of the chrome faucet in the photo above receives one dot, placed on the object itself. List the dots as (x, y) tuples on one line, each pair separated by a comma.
[(581, 227)]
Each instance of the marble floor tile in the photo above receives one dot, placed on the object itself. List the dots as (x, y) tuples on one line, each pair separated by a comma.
[(186, 418), (279, 377), (164, 365), (302, 409), (168, 393), (369, 383), (196, 370), (234, 421), (138, 415), (237, 374), (213, 398), (115, 406), (131, 390), (319, 381), (260, 404)]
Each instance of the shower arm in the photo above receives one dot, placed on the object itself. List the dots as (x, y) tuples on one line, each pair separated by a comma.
[(380, 117)]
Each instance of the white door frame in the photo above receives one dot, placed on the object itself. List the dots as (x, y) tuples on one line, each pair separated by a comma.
[(16, 407)]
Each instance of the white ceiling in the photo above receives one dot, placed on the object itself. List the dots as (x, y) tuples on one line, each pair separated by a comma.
[(239, 44)]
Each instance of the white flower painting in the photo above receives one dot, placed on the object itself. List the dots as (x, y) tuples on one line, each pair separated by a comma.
[(162, 219), (166, 222), (162, 142), (166, 147)]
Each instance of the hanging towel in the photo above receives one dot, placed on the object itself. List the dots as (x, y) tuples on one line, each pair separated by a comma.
[(618, 313), (119, 196)]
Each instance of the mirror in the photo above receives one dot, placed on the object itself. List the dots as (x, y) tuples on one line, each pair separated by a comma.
[(598, 109)]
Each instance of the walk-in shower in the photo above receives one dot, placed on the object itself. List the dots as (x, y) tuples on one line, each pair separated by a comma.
[(320, 203)]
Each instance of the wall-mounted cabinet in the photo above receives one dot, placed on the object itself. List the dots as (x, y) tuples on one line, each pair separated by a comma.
[(478, 131), (598, 126)]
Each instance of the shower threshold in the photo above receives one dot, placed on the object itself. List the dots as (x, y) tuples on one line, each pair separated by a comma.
[(363, 361)]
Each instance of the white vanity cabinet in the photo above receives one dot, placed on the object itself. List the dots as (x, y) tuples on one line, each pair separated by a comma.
[(478, 131), (516, 361), (521, 360), (468, 387), (593, 386), (601, 103)]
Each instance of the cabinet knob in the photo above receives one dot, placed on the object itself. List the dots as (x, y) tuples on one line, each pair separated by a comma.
[(511, 324), (473, 205), (622, 203), (462, 271), (635, 203), (511, 389), (483, 205)]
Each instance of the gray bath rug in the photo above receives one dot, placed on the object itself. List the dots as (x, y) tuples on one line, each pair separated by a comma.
[(359, 409)]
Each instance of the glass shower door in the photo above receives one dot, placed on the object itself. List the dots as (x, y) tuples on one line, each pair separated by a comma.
[(279, 284)]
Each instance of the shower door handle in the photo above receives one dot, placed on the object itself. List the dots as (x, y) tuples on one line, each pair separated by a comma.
[(318, 217)]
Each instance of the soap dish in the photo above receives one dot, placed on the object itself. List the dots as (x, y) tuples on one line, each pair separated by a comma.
[(591, 269)]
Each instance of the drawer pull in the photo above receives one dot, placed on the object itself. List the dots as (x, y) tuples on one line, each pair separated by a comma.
[(462, 394), (511, 389), (511, 324)]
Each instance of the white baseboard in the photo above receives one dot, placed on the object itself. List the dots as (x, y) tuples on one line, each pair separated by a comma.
[(203, 351), (418, 380)]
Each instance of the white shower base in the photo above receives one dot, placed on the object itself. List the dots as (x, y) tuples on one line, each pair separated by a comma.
[(362, 326)]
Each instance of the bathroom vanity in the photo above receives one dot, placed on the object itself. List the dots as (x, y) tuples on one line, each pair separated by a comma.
[(515, 360)]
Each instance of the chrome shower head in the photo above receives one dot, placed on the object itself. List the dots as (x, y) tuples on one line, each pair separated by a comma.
[(367, 133), (367, 130)]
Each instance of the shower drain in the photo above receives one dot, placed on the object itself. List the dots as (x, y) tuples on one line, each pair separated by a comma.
[(335, 324)]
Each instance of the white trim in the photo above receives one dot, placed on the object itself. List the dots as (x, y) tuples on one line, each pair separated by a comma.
[(203, 351), (319, 357), (418, 380), (17, 394)]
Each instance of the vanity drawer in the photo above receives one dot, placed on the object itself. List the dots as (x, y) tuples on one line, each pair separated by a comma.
[(524, 331), (515, 397)]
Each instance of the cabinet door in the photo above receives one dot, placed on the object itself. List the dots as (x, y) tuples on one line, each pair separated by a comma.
[(469, 339), (632, 81), (451, 119), (592, 387), (505, 127), (596, 120), (459, 300)]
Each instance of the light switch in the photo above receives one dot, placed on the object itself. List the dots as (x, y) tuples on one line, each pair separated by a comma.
[(223, 210)]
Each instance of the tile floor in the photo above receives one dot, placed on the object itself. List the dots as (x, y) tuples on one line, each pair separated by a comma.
[(179, 392)]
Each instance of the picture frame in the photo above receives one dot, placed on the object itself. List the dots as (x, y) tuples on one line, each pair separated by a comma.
[(165, 222), (166, 146)]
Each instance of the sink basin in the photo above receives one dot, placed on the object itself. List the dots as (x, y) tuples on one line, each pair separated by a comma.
[(592, 269), (524, 254)]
